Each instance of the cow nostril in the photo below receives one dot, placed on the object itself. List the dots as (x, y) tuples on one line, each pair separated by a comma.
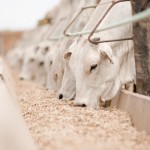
[(21, 78), (32, 60), (50, 62), (41, 63), (55, 77), (60, 96), (83, 105)]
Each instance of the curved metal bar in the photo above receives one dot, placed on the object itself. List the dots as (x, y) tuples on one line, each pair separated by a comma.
[(78, 14), (74, 19), (98, 40)]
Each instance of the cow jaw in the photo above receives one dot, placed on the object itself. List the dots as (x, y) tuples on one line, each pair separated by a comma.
[(68, 83), (87, 98)]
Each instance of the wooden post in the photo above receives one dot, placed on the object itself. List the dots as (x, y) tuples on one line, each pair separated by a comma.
[(141, 32)]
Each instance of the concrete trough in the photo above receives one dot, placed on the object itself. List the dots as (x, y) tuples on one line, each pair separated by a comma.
[(14, 134), (138, 106)]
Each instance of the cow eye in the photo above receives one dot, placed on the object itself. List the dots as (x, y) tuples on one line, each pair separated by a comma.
[(32, 60), (50, 62), (93, 67), (41, 63), (46, 49)]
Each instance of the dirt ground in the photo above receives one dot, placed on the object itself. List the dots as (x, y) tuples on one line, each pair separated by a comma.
[(59, 125)]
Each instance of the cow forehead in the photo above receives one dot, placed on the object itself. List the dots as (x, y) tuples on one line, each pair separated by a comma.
[(85, 49), (83, 57)]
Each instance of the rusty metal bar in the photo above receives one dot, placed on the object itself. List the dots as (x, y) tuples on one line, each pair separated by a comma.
[(75, 18)]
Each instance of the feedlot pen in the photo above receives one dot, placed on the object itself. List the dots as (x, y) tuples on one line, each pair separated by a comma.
[(59, 125), (56, 124)]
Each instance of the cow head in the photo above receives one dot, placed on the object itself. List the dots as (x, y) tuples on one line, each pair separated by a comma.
[(49, 60), (57, 66), (67, 90), (96, 69), (40, 76), (29, 66)]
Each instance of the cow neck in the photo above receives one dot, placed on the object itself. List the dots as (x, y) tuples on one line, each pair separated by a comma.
[(99, 11)]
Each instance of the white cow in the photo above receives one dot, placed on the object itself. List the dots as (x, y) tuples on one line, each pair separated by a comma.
[(33, 65), (28, 68), (100, 70), (59, 66), (57, 70), (40, 74), (68, 88), (49, 60)]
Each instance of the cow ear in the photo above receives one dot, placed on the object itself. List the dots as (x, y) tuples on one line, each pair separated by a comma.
[(67, 55), (106, 51)]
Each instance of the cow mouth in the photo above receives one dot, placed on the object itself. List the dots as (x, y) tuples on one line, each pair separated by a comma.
[(80, 104), (73, 98), (104, 104)]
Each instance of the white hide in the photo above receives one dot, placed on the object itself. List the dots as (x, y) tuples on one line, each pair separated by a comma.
[(40, 74), (49, 59), (28, 68), (67, 89), (58, 62)]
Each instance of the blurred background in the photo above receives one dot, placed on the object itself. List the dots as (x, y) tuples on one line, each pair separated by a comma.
[(17, 16)]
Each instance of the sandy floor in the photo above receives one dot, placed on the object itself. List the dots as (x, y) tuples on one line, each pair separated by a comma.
[(58, 125)]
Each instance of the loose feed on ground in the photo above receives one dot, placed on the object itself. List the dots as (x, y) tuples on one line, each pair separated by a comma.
[(59, 125)]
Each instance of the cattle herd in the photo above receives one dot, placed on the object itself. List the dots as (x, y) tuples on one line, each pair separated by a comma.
[(72, 66)]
